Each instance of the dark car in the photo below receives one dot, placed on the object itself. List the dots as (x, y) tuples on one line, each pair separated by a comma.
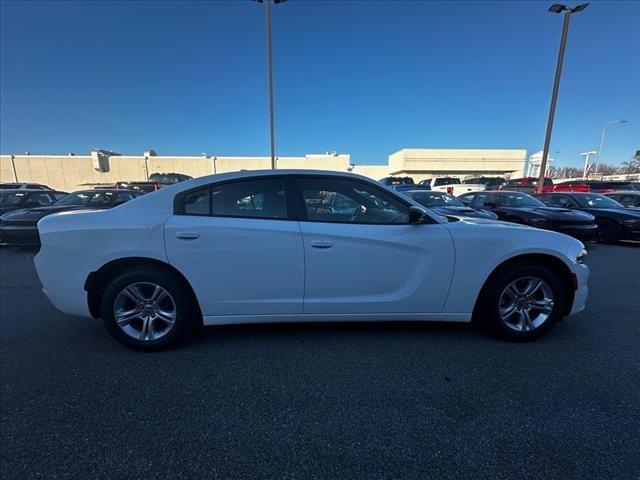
[(600, 186), (526, 184), (20, 198), (393, 181), (519, 207), (445, 204), (615, 221), (630, 199), (168, 178), (19, 227), (490, 183), (23, 186)]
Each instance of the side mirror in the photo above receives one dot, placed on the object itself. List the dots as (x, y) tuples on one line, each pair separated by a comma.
[(416, 214)]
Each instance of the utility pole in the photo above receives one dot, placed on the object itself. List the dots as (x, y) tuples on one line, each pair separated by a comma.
[(270, 78), (556, 8)]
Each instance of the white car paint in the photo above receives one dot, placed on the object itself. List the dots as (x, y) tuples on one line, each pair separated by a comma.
[(258, 270)]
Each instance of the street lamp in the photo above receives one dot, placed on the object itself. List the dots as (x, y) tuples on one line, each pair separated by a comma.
[(556, 8), (270, 80), (604, 129), (586, 156)]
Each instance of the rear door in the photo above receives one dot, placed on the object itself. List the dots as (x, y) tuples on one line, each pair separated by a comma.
[(362, 255), (240, 247)]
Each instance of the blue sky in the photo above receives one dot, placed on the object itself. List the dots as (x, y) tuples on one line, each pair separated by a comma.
[(365, 78)]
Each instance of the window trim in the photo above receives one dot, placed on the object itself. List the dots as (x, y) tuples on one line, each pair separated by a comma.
[(301, 209), (178, 200)]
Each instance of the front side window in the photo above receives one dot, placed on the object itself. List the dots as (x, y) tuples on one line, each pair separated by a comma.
[(561, 201), (436, 199), (346, 201)]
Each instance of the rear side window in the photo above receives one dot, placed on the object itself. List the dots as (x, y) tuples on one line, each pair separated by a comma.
[(261, 198), (196, 202)]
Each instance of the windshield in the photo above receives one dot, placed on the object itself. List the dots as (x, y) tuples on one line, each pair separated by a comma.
[(11, 199), (435, 199), (75, 198), (595, 200), (517, 199)]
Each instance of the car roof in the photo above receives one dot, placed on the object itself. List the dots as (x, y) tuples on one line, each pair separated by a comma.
[(24, 190), (162, 200), (625, 192)]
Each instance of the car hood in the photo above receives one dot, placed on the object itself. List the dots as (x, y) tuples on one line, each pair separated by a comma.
[(628, 212), (554, 213)]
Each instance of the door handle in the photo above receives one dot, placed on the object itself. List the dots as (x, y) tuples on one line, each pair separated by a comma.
[(188, 235), (321, 244)]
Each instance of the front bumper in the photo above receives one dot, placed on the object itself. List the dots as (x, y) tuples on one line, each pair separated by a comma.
[(581, 293), (581, 232), (19, 235)]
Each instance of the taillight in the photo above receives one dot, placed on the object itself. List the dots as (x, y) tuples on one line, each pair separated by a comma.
[(525, 181), (450, 190)]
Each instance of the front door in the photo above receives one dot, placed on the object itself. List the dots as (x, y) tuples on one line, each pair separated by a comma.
[(362, 255)]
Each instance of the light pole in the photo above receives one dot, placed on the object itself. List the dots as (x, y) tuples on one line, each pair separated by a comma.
[(586, 156), (604, 130), (556, 8), (270, 78)]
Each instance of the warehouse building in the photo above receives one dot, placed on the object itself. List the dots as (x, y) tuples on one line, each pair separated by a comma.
[(72, 172)]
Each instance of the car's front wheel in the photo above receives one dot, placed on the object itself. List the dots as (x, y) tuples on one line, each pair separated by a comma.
[(147, 309), (522, 301)]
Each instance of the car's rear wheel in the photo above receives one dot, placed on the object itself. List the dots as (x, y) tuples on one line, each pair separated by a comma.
[(147, 309), (522, 302), (609, 231)]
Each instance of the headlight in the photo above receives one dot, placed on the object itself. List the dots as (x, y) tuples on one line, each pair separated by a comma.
[(581, 256), (538, 221)]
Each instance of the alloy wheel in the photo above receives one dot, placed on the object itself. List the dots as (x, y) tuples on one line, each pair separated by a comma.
[(145, 311), (526, 303)]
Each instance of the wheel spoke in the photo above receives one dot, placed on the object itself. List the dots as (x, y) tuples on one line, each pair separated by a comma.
[(145, 328), (506, 312), (526, 320), (513, 291), (157, 292), (165, 316), (533, 287), (545, 305), (125, 318), (132, 292)]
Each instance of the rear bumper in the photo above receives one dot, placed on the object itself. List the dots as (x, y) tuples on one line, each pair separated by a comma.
[(19, 235)]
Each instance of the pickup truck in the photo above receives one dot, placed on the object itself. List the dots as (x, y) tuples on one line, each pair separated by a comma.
[(452, 185)]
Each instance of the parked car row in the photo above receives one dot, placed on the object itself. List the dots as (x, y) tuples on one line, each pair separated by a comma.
[(455, 186), (22, 205)]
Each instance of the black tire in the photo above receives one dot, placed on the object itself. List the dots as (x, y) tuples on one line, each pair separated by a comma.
[(186, 312), (488, 312), (609, 231)]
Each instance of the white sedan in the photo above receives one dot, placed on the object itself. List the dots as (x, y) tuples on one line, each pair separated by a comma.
[(300, 245)]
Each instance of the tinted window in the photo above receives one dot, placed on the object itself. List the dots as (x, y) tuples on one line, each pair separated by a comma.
[(467, 199), (39, 199), (561, 201), (446, 181), (75, 198), (125, 197), (262, 198), (197, 202), (517, 200), (595, 200), (346, 201), (435, 199), (12, 199)]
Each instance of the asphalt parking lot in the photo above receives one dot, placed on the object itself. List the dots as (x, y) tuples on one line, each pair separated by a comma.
[(323, 401)]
